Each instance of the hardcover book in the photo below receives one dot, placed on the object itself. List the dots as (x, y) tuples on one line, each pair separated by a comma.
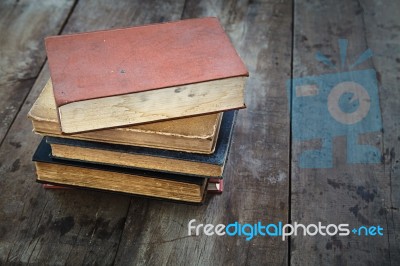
[(197, 134), (116, 179), (215, 186), (119, 77), (206, 165)]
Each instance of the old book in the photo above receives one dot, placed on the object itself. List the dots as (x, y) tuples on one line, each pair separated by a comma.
[(128, 76), (207, 165), (215, 186), (116, 179), (196, 134)]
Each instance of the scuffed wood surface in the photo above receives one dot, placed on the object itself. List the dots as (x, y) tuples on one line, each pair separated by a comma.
[(58, 227), (356, 194), (23, 26), (264, 181), (382, 31)]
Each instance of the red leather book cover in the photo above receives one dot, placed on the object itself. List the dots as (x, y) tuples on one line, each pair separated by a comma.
[(106, 63)]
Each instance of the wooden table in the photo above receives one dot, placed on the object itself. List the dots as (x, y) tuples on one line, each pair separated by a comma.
[(268, 179)]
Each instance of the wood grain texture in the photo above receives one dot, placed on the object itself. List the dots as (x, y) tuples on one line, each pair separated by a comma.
[(256, 184), (64, 227), (382, 30), (23, 26), (68, 227), (356, 194)]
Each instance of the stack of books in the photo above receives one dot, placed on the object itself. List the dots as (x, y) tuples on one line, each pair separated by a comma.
[(145, 110)]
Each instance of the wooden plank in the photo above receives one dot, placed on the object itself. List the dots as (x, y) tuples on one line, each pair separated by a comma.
[(59, 227), (256, 187), (341, 183), (382, 25), (23, 26)]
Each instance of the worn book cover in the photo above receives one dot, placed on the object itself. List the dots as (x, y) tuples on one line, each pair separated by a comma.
[(117, 179), (147, 73), (215, 186), (207, 165), (197, 134)]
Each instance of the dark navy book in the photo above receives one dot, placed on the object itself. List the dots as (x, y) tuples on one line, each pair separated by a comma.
[(43, 157), (43, 154), (200, 162)]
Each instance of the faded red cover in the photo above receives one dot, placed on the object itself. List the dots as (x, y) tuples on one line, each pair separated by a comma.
[(121, 61), (216, 181)]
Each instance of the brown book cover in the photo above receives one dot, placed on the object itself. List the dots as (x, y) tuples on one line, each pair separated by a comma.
[(116, 179), (102, 65), (213, 187)]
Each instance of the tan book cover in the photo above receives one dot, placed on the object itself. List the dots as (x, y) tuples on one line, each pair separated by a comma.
[(196, 134)]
